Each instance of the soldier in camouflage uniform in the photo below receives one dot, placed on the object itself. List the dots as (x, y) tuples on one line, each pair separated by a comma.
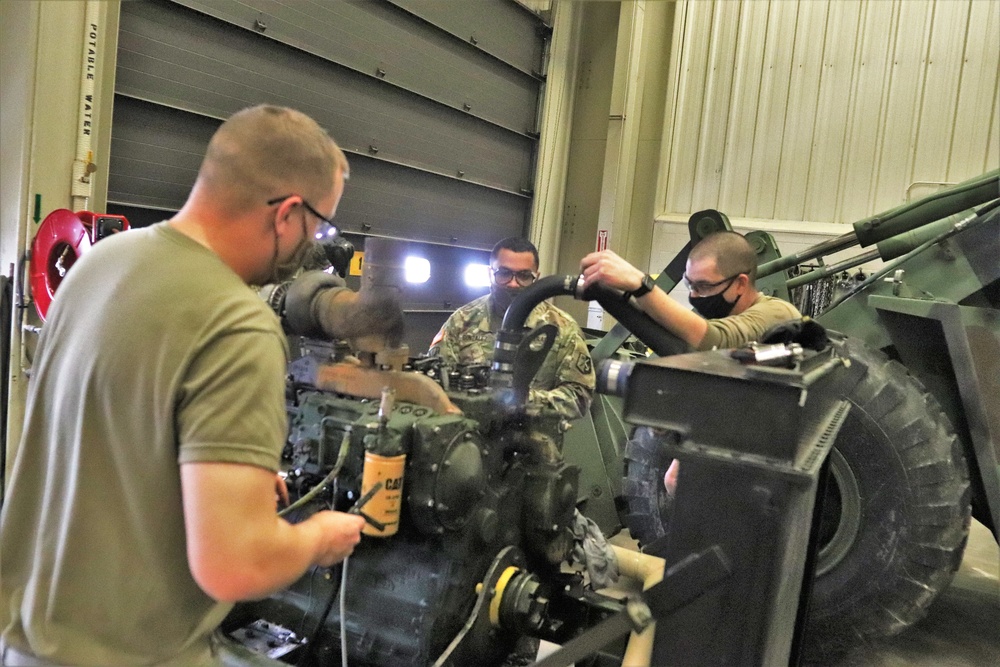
[(565, 382)]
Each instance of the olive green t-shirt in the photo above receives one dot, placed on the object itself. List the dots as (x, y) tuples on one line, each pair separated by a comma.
[(155, 353)]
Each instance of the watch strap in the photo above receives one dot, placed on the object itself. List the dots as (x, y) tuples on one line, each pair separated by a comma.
[(644, 288)]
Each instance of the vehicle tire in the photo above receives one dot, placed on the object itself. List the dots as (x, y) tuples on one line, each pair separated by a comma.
[(648, 503), (896, 512)]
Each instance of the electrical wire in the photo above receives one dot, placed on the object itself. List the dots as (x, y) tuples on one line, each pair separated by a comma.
[(305, 614), (343, 613), (310, 644), (331, 476)]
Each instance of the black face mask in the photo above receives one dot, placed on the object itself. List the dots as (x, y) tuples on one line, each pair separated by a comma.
[(502, 296), (285, 269), (712, 307)]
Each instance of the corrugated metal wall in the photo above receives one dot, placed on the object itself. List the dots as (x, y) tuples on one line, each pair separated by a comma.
[(828, 110), (434, 102)]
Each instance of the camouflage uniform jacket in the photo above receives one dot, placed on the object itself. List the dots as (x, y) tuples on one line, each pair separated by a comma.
[(565, 382)]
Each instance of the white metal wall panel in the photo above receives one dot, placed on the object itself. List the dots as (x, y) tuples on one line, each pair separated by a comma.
[(772, 108), (828, 111), (803, 101), (942, 73), (979, 95), (829, 134), (866, 112), (742, 115), (718, 91), (911, 34), (690, 98)]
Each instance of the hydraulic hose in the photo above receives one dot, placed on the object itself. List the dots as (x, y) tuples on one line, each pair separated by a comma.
[(897, 221), (534, 294), (941, 204), (645, 328), (891, 266)]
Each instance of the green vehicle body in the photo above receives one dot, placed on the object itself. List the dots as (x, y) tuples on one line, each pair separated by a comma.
[(927, 329)]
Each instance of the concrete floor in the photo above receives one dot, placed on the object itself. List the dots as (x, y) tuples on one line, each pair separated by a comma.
[(962, 628)]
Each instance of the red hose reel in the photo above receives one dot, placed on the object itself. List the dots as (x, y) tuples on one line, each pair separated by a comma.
[(61, 238)]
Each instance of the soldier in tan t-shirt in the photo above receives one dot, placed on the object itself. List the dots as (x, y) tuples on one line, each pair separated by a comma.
[(720, 273)]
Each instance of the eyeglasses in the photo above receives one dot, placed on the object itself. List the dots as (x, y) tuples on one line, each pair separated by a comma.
[(326, 229), (523, 278), (702, 286)]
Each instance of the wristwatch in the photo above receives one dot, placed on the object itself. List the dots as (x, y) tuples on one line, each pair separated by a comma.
[(644, 288)]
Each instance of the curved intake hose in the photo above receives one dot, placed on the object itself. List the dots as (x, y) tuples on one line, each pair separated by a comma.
[(645, 328), (511, 333)]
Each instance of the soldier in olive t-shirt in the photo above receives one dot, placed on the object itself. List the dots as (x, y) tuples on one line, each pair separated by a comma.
[(212, 381), (142, 495)]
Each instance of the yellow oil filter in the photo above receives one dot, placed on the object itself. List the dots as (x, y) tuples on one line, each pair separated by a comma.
[(387, 503)]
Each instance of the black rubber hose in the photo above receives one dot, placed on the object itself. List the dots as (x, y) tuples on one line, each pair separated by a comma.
[(645, 328), (534, 294)]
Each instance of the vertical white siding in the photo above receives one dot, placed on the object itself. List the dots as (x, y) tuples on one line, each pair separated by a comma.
[(867, 113), (741, 117), (772, 108), (718, 92), (828, 111), (839, 40), (800, 120), (979, 94)]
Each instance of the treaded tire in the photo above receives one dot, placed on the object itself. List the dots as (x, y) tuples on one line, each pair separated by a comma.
[(648, 504), (896, 516), (896, 513)]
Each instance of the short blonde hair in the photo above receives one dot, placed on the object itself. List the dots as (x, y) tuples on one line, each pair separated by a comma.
[(268, 151)]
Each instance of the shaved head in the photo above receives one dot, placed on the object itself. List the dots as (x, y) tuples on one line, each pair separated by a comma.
[(267, 151), (730, 250)]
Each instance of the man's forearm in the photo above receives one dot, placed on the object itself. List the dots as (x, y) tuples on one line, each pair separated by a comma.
[(238, 548), (273, 559), (674, 317)]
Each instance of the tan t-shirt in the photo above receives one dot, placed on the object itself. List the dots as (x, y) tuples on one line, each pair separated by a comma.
[(750, 325), (155, 353)]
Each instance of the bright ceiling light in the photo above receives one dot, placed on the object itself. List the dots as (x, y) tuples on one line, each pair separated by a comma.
[(418, 269), (477, 275)]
